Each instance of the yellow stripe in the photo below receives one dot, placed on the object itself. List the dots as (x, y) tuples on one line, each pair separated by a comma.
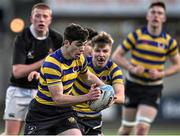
[(148, 57), (42, 101), (147, 66)]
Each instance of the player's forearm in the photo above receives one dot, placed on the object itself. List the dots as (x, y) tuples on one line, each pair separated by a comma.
[(69, 100), (23, 70), (91, 78), (119, 93), (122, 61), (171, 70), (94, 79)]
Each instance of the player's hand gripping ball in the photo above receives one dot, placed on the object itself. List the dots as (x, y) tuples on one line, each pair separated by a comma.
[(106, 99)]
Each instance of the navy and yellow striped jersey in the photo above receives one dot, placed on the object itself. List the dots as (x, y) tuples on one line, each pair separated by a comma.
[(55, 70), (149, 51), (110, 74)]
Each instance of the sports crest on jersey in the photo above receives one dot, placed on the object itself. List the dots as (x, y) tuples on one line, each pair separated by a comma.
[(75, 69), (161, 45)]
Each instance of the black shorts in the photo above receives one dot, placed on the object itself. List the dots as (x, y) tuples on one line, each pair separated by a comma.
[(48, 120), (142, 94), (90, 126)]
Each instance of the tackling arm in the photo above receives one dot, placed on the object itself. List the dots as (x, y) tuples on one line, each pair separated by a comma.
[(91, 78), (175, 67), (23, 70), (68, 100), (119, 93)]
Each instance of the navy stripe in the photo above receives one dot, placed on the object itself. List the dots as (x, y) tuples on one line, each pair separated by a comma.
[(69, 81), (123, 46), (113, 71), (43, 87), (44, 97), (147, 61), (129, 41), (145, 79), (51, 65), (89, 113), (150, 43), (118, 77), (150, 53), (49, 76), (135, 36), (172, 50), (67, 90), (68, 71), (170, 42), (97, 71), (83, 84), (42, 75), (78, 90)]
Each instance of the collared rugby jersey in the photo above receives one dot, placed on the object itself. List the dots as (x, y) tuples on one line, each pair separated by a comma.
[(55, 70), (110, 74), (149, 51), (28, 50)]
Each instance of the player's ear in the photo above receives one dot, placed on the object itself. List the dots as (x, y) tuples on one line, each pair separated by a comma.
[(164, 20), (31, 19), (66, 43)]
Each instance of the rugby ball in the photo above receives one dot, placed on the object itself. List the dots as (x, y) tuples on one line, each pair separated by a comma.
[(105, 100)]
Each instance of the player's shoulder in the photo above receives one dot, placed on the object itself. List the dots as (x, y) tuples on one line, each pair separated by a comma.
[(25, 35), (55, 34)]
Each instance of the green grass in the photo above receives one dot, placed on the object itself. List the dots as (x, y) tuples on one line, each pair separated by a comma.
[(111, 129), (160, 130)]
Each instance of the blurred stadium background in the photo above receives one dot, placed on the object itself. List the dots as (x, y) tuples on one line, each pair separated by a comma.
[(118, 18)]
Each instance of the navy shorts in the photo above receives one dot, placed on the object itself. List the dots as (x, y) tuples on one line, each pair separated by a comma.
[(137, 94), (90, 126), (48, 120)]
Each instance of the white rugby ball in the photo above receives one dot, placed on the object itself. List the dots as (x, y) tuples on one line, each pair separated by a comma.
[(105, 100)]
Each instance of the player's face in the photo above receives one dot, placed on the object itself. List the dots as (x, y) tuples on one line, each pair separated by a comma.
[(101, 54), (41, 19), (76, 49), (156, 16)]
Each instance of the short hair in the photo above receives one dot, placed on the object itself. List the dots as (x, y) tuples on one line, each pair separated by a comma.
[(102, 38), (158, 3), (92, 33), (40, 6), (75, 32)]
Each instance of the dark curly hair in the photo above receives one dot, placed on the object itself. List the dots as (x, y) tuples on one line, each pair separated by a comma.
[(75, 32)]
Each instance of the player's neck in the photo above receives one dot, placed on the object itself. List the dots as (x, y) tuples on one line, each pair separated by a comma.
[(154, 30), (65, 53)]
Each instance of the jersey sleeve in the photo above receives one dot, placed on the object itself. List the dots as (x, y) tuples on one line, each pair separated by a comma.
[(130, 42), (19, 53), (116, 74), (51, 71), (84, 64), (173, 48)]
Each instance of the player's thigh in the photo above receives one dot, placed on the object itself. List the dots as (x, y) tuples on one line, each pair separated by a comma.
[(146, 113), (73, 131), (129, 114), (17, 101), (13, 127)]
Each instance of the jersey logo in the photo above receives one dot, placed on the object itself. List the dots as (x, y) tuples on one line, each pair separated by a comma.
[(162, 46), (30, 55), (31, 129), (75, 69), (104, 78), (12, 115), (72, 120)]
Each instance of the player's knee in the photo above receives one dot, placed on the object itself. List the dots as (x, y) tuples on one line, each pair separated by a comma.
[(143, 125), (126, 127), (142, 129), (124, 131)]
